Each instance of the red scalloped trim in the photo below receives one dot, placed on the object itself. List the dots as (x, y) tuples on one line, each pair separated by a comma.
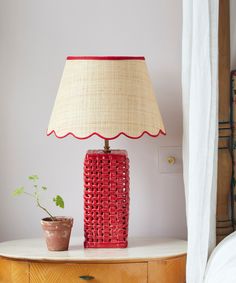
[(105, 58), (112, 138)]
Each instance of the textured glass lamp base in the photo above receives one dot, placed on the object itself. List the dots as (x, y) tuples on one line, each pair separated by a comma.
[(106, 199)]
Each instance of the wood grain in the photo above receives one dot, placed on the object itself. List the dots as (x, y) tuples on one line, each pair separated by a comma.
[(102, 273), (224, 60), (167, 271), (223, 221), (14, 271)]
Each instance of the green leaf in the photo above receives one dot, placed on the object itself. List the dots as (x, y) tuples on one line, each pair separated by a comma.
[(18, 191), (33, 178), (44, 188), (59, 201)]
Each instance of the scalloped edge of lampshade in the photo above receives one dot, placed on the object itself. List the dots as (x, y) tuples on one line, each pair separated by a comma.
[(106, 138)]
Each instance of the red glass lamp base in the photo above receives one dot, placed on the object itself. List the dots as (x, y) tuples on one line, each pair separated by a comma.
[(106, 199)]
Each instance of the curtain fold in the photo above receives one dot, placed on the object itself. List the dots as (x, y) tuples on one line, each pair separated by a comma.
[(200, 137)]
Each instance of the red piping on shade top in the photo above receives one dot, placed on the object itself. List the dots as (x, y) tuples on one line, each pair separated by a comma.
[(105, 58), (112, 138)]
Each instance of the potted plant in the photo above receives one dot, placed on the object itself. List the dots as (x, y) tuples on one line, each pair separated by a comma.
[(57, 229)]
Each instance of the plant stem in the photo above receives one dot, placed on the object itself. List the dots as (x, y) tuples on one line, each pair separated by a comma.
[(43, 208), (36, 197), (28, 194)]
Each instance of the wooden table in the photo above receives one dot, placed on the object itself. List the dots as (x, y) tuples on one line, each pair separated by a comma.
[(146, 260)]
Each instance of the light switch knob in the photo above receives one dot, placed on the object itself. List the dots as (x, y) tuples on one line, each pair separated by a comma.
[(171, 160)]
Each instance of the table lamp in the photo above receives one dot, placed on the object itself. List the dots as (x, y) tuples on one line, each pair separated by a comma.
[(107, 96)]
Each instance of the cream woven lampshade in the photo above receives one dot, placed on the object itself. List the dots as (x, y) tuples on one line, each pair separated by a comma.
[(106, 96)]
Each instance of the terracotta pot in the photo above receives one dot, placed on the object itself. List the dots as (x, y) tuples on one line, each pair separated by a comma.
[(57, 233)]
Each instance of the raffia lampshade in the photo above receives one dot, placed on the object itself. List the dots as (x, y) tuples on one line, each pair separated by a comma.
[(106, 96)]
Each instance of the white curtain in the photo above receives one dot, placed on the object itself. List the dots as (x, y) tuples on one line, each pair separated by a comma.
[(200, 139)]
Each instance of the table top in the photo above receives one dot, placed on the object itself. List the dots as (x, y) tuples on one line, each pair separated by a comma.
[(138, 249)]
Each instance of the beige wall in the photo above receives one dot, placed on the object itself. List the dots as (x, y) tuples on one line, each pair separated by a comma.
[(36, 36)]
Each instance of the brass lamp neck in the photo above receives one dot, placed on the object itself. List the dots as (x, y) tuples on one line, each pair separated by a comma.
[(106, 146)]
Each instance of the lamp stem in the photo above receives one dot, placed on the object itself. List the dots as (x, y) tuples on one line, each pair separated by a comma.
[(106, 146)]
